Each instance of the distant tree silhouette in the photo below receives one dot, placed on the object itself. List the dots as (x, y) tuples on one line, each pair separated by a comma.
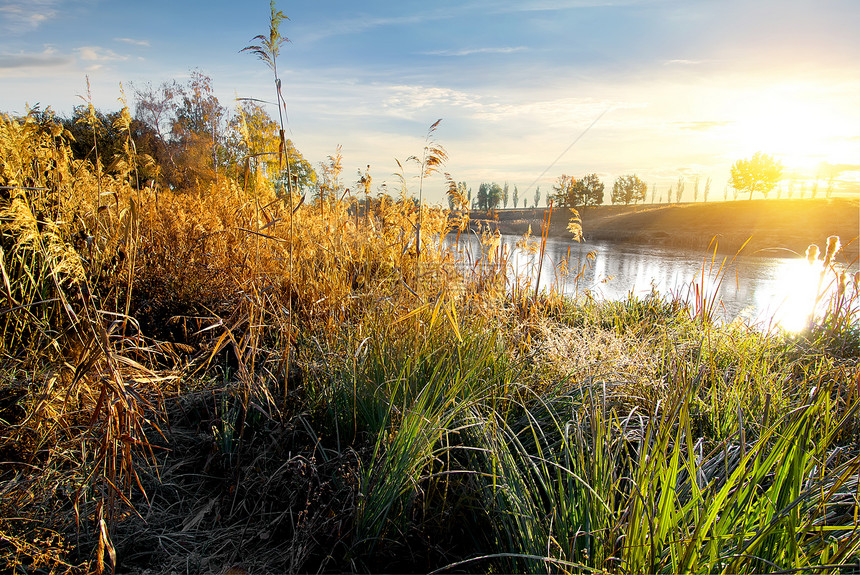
[(628, 190)]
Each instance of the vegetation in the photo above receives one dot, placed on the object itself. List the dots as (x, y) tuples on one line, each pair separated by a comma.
[(224, 370), (570, 192), (761, 173), (629, 190)]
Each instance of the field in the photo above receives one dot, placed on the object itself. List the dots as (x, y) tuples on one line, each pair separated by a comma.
[(235, 378), (773, 227)]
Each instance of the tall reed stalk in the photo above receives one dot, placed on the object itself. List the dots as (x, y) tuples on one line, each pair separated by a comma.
[(268, 50)]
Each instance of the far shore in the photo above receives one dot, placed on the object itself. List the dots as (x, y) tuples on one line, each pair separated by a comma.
[(773, 227)]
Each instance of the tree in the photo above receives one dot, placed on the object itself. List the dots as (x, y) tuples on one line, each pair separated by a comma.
[(155, 109), (189, 126), (628, 189), (198, 130), (570, 192), (494, 196), (761, 173), (537, 196), (516, 196), (588, 191), (679, 191), (481, 199), (563, 192), (253, 143), (505, 195)]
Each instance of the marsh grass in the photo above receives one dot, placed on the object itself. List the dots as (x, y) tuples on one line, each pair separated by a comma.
[(195, 383)]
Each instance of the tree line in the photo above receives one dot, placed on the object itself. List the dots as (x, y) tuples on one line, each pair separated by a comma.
[(759, 174)]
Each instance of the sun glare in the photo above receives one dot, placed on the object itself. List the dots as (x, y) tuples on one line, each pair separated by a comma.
[(793, 307), (798, 131)]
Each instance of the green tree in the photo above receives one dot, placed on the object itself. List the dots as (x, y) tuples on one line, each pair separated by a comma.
[(516, 196), (562, 196), (482, 198), (505, 195), (588, 191), (628, 190), (494, 196), (761, 173), (537, 196)]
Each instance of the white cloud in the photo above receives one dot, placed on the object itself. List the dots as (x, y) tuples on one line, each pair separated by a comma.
[(407, 99), (98, 54), (133, 42)]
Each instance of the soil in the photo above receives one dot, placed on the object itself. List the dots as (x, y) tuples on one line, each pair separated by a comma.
[(768, 227)]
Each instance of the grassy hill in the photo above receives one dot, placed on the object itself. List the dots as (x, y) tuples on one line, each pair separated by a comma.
[(772, 226)]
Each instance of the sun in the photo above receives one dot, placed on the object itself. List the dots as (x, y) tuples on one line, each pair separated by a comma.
[(790, 124)]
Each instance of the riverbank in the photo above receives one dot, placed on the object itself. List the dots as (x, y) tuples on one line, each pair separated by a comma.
[(773, 227)]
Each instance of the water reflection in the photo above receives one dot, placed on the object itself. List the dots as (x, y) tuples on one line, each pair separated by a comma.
[(762, 290)]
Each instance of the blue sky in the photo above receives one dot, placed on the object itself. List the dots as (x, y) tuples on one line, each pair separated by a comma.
[(681, 88)]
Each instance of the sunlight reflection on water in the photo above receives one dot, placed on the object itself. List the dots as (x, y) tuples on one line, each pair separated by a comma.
[(765, 291)]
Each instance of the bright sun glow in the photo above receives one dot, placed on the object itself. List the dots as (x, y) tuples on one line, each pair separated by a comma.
[(792, 308), (794, 127), (791, 304)]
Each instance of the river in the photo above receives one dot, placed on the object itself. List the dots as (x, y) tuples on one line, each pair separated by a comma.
[(764, 291)]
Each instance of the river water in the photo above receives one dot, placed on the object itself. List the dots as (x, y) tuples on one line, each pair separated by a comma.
[(764, 291)]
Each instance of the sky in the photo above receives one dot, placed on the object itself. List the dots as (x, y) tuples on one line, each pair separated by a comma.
[(526, 90)]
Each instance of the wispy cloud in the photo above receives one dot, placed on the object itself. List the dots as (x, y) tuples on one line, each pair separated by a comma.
[(21, 16), (133, 42), (405, 100), (98, 54), (45, 59), (470, 51)]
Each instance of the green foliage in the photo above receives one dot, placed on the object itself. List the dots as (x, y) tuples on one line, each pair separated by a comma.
[(628, 190), (570, 192), (489, 196)]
